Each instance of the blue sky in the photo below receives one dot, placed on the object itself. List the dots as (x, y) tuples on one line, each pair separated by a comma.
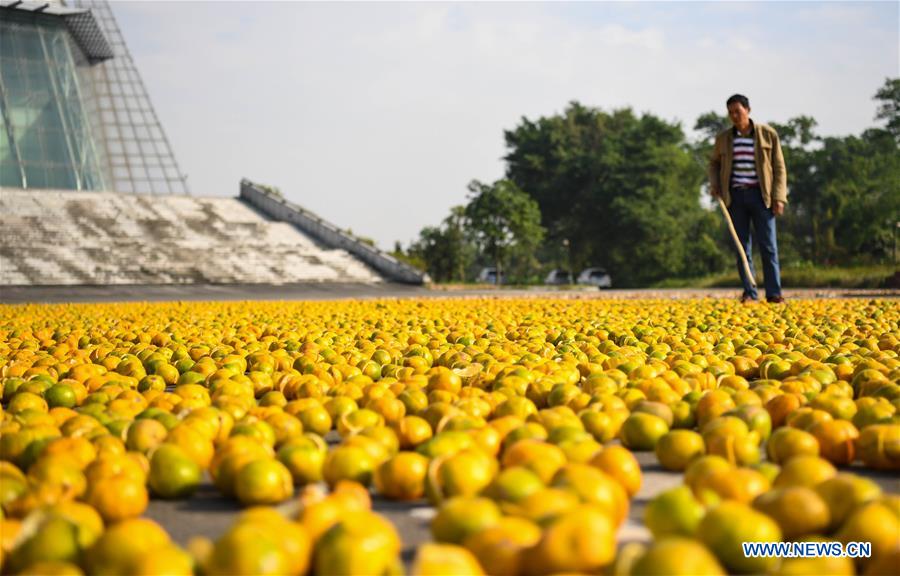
[(377, 115)]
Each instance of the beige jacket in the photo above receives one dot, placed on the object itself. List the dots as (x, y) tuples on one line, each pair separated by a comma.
[(770, 169)]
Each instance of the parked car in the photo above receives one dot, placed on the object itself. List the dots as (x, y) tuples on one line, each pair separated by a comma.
[(488, 275), (558, 276), (595, 277)]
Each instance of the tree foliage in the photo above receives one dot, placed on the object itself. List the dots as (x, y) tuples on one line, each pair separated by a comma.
[(505, 224), (445, 251), (850, 199), (844, 191), (623, 189), (888, 97), (589, 187)]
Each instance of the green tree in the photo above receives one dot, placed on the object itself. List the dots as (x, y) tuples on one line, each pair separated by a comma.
[(844, 191), (505, 224), (462, 249), (623, 189), (410, 257), (710, 124), (888, 97), (445, 251), (858, 201), (799, 232)]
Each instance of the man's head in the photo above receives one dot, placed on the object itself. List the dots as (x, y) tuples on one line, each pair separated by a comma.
[(739, 111)]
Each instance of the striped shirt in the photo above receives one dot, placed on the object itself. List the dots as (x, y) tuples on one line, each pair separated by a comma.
[(743, 167)]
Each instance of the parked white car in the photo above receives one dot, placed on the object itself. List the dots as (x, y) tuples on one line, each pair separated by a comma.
[(558, 277), (488, 275), (595, 277)]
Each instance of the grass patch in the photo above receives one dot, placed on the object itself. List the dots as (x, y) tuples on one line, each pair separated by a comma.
[(874, 276)]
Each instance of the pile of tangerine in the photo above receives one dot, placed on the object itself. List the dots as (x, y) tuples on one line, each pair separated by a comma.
[(516, 418)]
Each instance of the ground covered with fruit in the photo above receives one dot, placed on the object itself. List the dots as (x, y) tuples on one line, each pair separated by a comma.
[(448, 436)]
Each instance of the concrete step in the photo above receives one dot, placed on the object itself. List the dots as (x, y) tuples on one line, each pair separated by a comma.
[(51, 237)]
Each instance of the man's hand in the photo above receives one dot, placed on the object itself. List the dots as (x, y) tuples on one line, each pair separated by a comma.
[(778, 207)]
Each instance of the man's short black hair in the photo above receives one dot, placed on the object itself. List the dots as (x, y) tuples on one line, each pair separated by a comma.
[(740, 98)]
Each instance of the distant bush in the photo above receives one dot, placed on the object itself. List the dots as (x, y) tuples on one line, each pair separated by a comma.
[(804, 275)]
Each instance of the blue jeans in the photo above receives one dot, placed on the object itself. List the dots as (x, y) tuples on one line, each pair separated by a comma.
[(747, 206)]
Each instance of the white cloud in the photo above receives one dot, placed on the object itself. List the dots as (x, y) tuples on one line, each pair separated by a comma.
[(619, 36), (742, 44), (432, 23)]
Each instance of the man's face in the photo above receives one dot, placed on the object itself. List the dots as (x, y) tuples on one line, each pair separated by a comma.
[(739, 115)]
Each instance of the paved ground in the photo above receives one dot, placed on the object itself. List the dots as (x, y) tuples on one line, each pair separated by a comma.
[(210, 514), (211, 292), (334, 291)]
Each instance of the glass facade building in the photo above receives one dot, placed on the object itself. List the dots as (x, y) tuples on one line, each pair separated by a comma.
[(75, 112), (46, 139)]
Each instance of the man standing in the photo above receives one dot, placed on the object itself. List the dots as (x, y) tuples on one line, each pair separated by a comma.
[(747, 171)]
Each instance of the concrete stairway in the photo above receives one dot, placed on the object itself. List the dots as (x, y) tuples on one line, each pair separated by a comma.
[(64, 237)]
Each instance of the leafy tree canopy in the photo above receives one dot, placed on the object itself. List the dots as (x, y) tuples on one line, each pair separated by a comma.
[(590, 187), (505, 223), (623, 189)]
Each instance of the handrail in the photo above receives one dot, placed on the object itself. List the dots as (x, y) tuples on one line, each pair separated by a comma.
[(274, 205)]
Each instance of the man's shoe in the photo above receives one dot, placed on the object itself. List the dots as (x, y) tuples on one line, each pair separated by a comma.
[(747, 299), (775, 300)]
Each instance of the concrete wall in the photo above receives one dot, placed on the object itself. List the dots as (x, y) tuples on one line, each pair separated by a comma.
[(50, 237), (278, 208)]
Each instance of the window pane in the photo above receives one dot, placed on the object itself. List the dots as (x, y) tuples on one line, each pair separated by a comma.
[(9, 174), (60, 177), (36, 176), (55, 149), (30, 146), (47, 116)]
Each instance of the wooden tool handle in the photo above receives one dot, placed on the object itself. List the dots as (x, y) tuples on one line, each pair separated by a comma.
[(737, 242)]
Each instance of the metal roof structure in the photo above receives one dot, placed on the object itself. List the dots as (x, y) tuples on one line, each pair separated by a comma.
[(133, 142), (81, 24), (74, 104)]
